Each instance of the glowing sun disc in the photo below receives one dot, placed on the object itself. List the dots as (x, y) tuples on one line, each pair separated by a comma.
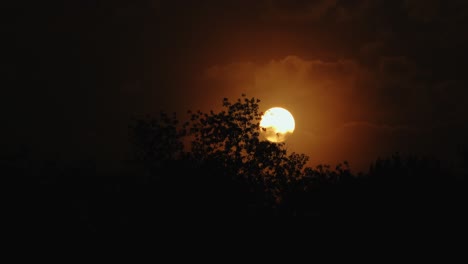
[(277, 124)]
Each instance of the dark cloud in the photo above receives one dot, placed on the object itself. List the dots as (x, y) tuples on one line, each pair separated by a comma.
[(423, 11), (299, 11)]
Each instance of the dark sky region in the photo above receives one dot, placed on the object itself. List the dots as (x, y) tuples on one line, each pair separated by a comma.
[(362, 78)]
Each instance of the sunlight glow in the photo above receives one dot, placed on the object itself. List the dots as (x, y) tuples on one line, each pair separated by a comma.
[(277, 123)]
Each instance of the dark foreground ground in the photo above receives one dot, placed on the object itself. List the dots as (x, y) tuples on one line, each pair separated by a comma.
[(79, 200)]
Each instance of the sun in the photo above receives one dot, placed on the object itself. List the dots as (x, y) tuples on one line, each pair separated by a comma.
[(277, 124)]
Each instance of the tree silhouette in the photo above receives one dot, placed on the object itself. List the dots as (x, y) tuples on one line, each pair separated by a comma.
[(219, 162), (216, 164), (225, 150), (156, 140)]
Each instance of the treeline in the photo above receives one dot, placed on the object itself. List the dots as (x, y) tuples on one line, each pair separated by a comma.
[(216, 166)]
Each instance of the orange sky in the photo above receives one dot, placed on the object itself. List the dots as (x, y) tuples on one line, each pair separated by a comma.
[(334, 122)]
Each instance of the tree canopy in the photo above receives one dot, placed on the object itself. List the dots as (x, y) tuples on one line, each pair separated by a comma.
[(229, 142)]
